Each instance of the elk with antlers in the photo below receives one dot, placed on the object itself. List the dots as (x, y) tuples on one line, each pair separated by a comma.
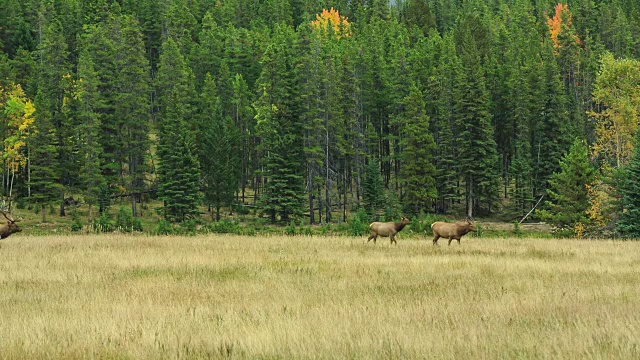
[(10, 227)]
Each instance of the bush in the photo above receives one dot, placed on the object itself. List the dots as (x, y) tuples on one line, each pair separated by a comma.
[(125, 219), (76, 225), (188, 227), (224, 226), (165, 228), (422, 224), (103, 224), (359, 225), (291, 229)]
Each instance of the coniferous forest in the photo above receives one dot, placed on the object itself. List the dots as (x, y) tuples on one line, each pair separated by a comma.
[(319, 110)]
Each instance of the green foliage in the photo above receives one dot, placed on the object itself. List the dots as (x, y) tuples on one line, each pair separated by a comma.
[(103, 224), (418, 170), (178, 168), (126, 222), (359, 225), (373, 189), (568, 196), (629, 221), (76, 225), (165, 228), (447, 100), (224, 226), (219, 136)]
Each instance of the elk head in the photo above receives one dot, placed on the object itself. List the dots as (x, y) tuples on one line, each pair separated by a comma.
[(10, 227)]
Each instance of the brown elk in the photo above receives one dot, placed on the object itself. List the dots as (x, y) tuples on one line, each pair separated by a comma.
[(450, 231), (10, 227), (387, 229)]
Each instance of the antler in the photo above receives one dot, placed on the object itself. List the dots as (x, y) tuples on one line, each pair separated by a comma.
[(8, 216)]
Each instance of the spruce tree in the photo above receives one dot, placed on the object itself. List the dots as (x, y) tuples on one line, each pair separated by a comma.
[(476, 144), (280, 129), (220, 155), (418, 170), (132, 106), (629, 221), (372, 189), (45, 150), (568, 197), (89, 100), (178, 167)]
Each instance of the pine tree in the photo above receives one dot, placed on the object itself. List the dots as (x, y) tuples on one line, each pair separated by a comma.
[(178, 168), (568, 196), (418, 170)]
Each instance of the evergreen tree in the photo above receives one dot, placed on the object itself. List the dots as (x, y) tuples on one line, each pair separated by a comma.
[(629, 221), (243, 119), (477, 147), (568, 196), (178, 168), (418, 170), (220, 154), (49, 158), (372, 189), (446, 157), (92, 181), (280, 128), (551, 138), (132, 106)]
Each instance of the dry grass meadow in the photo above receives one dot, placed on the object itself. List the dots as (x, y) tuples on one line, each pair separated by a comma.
[(117, 296)]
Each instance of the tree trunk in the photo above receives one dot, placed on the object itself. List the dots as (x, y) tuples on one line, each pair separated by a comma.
[(62, 213), (44, 213)]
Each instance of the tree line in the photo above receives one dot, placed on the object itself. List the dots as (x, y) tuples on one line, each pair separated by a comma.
[(316, 108)]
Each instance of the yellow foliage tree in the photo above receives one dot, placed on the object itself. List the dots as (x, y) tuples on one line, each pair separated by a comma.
[(17, 120), (617, 91), (330, 23)]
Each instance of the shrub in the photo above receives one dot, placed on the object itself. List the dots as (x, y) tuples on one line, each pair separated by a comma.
[(165, 228), (291, 229), (76, 225), (124, 219), (359, 225), (103, 224), (224, 226)]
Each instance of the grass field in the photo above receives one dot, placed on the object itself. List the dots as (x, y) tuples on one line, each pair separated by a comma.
[(116, 296)]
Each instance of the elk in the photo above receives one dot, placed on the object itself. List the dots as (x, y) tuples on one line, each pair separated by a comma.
[(387, 229), (10, 227), (450, 231)]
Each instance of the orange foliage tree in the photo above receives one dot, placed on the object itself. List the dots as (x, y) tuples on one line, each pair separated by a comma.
[(562, 17)]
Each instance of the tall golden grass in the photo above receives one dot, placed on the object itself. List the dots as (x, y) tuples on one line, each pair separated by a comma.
[(117, 296)]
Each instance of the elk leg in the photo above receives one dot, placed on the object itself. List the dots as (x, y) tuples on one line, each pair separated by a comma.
[(458, 241), (435, 240), (450, 239), (393, 240)]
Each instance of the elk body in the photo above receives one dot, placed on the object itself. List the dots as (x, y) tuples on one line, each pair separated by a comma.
[(387, 229), (10, 227), (450, 231)]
